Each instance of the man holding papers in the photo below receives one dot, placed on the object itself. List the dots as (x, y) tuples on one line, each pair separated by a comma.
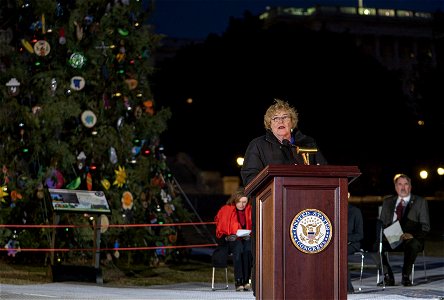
[(233, 229), (405, 219)]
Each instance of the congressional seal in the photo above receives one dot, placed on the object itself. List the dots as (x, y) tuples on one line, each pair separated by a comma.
[(310, 231)]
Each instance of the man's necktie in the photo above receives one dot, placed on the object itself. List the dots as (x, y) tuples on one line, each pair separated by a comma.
[(399, 209)]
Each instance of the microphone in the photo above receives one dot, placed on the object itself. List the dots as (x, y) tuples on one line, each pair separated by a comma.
[(287, 143)]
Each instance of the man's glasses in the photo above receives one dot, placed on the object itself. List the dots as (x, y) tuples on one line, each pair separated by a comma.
[(280, 119)]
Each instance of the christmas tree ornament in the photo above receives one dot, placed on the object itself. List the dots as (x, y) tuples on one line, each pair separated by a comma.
[(105, 183), (132, 83), (149, 107), (123, 32), (120, 122), (88, 118), (42, 48), (112, 155), (53, 86), (16, 196), (77, 60), (40, 192), (89, 181), (104, 223), (13, 247), (55, 179), (138, 112), (77, 83), (13, 86), (81, 160), (79, 31), (73, 185), (3, 192), (116, 249), (36, 109), (120, 179), (43, 20), (27, 46), (127, 200), (62, 38)]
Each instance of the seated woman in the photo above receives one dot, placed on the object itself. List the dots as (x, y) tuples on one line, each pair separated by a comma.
[(235, 215)]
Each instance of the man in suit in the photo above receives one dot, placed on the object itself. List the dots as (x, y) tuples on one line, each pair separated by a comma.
[(412, 212)]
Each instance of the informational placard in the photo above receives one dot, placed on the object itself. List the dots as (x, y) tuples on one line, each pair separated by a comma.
[(79, 201)]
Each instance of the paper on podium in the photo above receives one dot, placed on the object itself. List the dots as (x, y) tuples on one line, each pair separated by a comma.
[(393, 234), (243, 232)]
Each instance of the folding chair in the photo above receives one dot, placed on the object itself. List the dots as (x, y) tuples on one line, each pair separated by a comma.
[(360, 253), (413, 266), (219, 260), (388, 259)]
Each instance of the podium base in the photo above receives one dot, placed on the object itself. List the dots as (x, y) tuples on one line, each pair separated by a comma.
[(59, 273)]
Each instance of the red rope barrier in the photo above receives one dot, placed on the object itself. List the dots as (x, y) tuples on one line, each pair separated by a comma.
[(111, 225), (107, 249), (104, 249)]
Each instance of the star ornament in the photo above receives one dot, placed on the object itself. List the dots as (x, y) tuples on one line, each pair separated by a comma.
[(120, 179)]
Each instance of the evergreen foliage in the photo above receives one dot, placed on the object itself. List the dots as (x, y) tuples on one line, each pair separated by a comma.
[(77, 112)]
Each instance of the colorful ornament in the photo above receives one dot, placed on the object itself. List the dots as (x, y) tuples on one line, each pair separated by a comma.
[(120, 177), (74, 184), (132, 83), (122, 31), (62, 38), (127, 200), (55, 179), (27, 46), (42, 48), (149, 107), (77, 83), (3, 192), (89, 181), (89, 119), (77, 60), (105, 183), (13, 87), (13, 247)]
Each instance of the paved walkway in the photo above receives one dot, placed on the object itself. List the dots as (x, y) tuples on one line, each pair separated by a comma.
[(428, 285)]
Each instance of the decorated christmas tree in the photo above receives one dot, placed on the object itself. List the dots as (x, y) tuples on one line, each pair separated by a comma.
[(77, 113)]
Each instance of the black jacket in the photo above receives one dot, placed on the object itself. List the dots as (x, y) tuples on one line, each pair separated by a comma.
[(355, 228), (265, 150)]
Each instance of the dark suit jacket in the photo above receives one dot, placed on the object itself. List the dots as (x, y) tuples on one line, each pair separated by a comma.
[(415, 220), (355, 228)]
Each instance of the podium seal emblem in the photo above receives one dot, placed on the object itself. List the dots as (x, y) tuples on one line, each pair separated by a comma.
[(310, 231)]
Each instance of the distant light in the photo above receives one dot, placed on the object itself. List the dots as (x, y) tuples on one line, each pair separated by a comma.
[(423, 174), (440, 171), (240, 161), (421, 122), (190, 101)]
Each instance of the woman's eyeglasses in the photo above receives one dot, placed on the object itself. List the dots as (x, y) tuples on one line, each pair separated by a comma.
[(280, 119)]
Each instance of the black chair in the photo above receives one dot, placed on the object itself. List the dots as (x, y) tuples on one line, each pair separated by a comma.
[(219, 260)]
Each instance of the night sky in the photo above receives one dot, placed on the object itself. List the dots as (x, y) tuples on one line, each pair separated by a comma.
[(345, 101), (197, 18)]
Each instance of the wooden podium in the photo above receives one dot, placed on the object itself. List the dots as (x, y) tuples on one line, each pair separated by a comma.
[(301, 231)]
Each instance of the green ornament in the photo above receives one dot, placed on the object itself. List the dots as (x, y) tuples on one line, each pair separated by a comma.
[(77, 60)]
